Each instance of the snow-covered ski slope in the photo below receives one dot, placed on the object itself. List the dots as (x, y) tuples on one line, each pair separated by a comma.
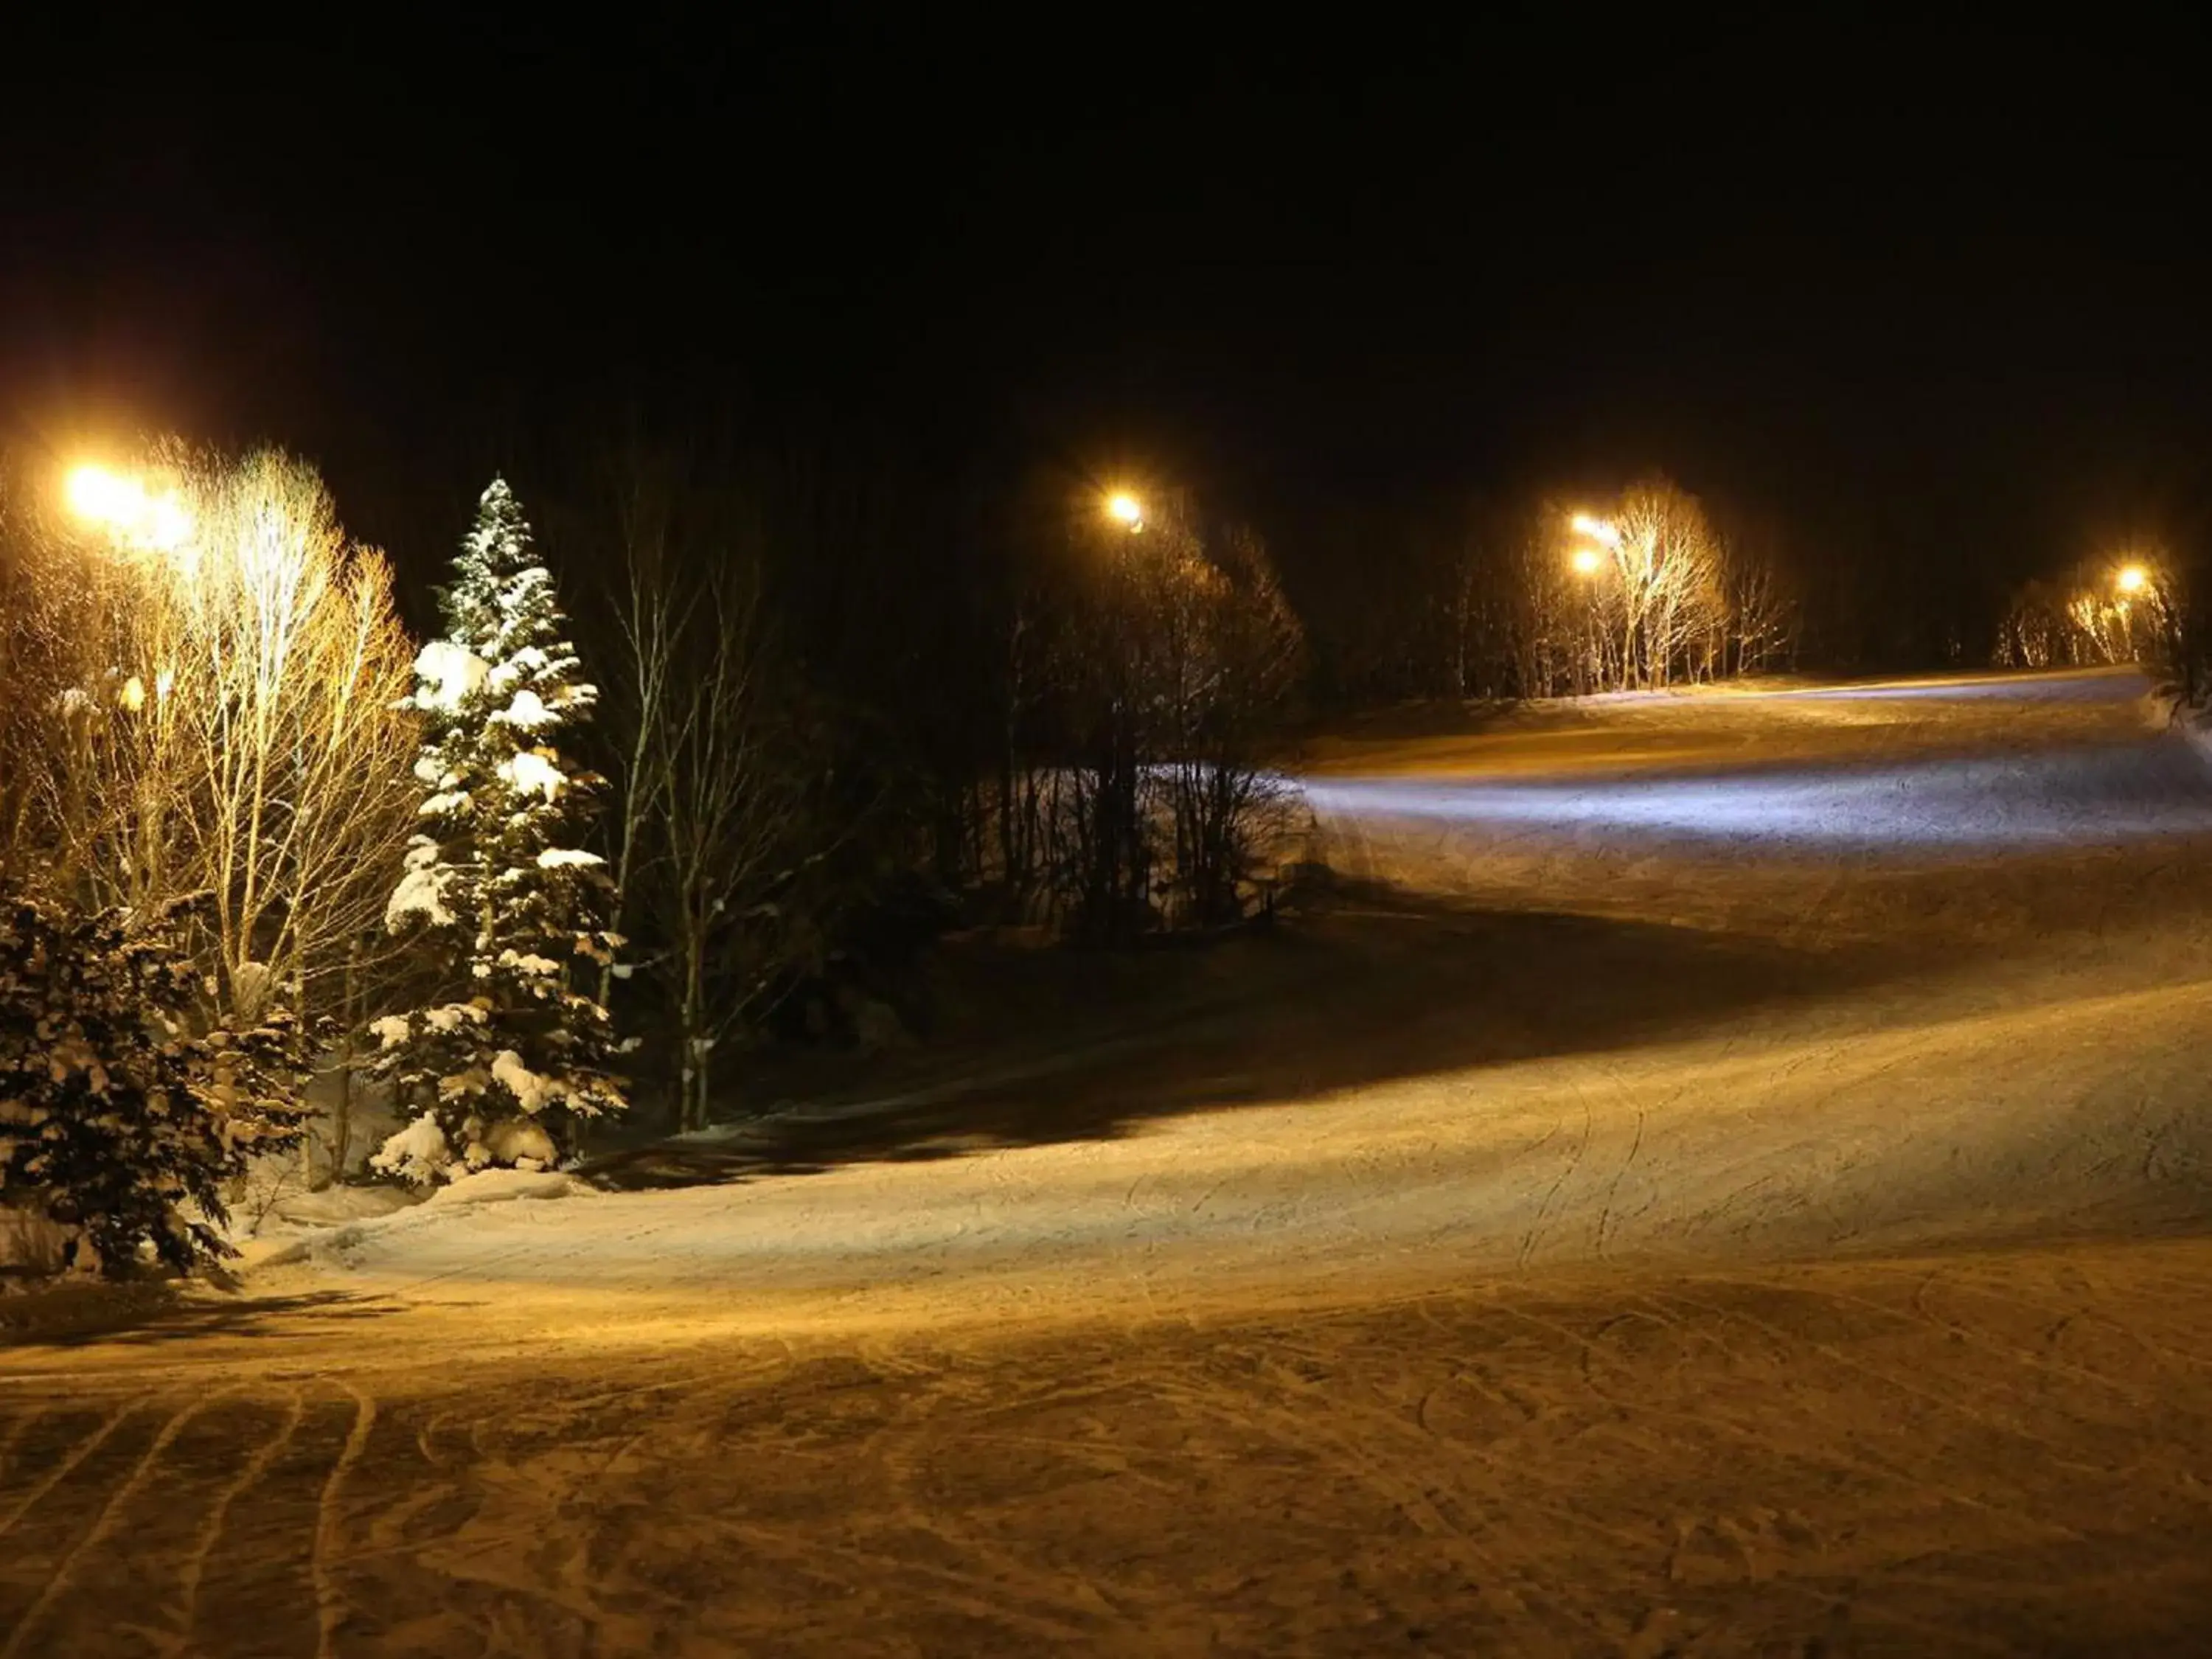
[(1724, 1173), (1928, 980)]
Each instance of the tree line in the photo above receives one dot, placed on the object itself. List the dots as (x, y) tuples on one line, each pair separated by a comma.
[(1555, 596), (724, 745), (2102, 611)]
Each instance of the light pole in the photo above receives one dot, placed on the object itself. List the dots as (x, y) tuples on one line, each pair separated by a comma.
[(1126, 510)]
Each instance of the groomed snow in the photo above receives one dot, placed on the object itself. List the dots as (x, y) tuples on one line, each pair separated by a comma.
[(1723, 1174), (1739, 1135)]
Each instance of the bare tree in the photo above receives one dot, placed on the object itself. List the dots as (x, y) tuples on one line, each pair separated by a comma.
[(1020, 797), (2099, 613), (726, 809), (1111, 660), (1166, 668), (88, 799), (199, 689), (281, 667), (713, 795), (650, 619), (1761, 619), (1232, 657), (215, 711), (1649, 596), (1668, 594)]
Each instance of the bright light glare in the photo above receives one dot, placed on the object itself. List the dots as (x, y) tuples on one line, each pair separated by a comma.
[(2133, 579), (168, 526), (1598, 530), (95, 493), (1587, 560), (128, 510), (1125, 508)]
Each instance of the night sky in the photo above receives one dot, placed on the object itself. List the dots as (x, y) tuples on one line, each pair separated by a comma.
[(1931, 299)]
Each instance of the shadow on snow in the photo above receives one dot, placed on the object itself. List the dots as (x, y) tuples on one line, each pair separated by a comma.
[(1375, 986)]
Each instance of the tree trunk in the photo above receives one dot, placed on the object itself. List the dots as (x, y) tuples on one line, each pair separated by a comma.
[(691, 1110)]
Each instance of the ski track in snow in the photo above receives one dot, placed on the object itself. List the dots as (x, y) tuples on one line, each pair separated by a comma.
[(1847, 1293)]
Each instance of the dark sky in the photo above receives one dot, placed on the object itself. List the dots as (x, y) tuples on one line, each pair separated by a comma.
[(1923, 292)]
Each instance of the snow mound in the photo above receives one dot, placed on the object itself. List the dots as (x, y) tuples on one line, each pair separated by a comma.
[(336, 1247), (336, 1205), (498, 1186)]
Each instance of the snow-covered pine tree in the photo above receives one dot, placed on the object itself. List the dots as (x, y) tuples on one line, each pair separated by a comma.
[(511, 1050)]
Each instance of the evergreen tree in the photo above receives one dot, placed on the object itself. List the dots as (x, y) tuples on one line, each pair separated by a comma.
[(124, 1110), (511, 1050)]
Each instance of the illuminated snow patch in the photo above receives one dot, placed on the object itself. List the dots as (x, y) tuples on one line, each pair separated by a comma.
[(2082, 797), (2085, 688)]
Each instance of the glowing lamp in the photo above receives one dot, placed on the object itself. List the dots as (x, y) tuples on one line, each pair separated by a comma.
[(126, 508), (96, 494), (1125, 509)]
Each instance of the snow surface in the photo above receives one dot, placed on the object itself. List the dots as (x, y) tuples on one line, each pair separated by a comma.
[(567, 858), (531, 1092), (422, 889), (448, 674), (500, 1186), (527, 712), (417, 1153), (531, 772), (518, 1145), (527, 660), (1717, 1175)]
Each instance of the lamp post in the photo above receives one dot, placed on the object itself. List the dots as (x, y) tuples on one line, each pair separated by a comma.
[(1126, 510)]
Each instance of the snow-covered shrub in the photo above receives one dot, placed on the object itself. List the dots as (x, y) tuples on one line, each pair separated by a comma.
[(121, 1117), (509, 1050)]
